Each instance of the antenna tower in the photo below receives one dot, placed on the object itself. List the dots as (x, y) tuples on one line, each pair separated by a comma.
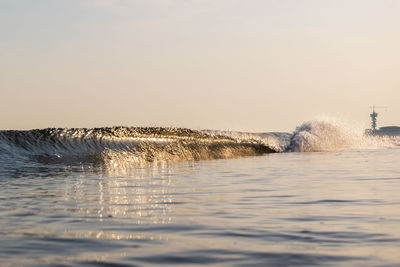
[(373, 116)]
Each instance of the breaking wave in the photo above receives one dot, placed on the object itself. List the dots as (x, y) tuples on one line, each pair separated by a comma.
[(127, 146)]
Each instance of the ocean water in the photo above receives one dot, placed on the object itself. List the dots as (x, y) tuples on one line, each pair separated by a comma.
[(324, 195)]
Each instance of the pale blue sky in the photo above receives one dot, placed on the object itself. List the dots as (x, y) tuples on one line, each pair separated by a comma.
[(228, 64)]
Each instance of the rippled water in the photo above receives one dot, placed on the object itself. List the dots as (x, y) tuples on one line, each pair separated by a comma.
[(337, 208)]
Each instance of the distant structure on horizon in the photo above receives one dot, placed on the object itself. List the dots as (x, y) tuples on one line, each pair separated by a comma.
[(382, 131)]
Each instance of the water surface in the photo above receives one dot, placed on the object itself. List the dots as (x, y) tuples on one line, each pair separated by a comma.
[(324, 208)]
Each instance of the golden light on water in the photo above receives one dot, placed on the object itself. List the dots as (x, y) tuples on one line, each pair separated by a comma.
[(141, 198)]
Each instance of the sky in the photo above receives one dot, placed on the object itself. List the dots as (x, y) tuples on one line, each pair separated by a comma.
[(245, 65)]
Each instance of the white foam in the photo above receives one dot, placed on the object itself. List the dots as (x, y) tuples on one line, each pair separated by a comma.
[(331, 135)]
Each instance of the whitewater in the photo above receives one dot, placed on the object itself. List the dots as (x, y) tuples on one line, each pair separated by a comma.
[(324, 194)]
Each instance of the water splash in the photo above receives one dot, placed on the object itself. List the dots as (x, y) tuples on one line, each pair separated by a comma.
[(330, 135)]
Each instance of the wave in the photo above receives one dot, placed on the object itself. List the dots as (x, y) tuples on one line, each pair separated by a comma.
[(123, 145), (127, 146)]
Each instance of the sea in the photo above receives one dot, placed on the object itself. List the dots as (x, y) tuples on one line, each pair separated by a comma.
[(322, 195)]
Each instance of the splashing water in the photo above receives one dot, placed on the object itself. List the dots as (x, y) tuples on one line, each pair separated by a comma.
[(329, 136)]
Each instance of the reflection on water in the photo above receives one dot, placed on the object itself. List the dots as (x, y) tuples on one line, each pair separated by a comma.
[(142, 196), (283, 209)]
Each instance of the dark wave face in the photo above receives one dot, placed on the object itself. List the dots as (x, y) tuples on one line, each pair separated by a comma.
[(121, 145)]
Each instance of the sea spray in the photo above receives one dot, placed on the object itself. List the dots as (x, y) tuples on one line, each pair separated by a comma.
[(330, 135)]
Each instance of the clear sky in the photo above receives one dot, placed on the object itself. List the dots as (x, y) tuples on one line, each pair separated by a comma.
[(250, 65)]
